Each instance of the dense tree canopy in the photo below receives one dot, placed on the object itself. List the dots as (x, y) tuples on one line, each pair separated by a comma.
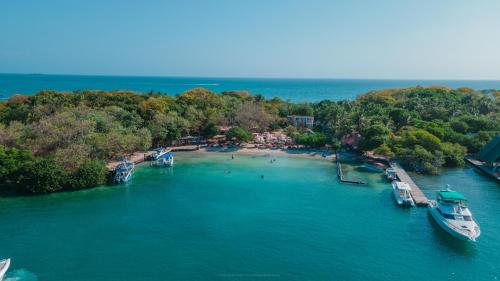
[(72, 134), (238, 134)]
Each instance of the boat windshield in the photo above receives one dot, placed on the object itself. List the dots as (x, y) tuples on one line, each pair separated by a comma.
[(445, 215), (455, 217), (461, 203)]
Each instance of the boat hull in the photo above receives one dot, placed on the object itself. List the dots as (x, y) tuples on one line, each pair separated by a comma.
[(4, 266), (373, 168), (442, 223), (400, 201), (124, 178), (163, 162)]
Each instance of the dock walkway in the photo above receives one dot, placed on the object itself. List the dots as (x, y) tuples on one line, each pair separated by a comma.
[(417, 194), (483, 167), (141, 156), (137, 157)]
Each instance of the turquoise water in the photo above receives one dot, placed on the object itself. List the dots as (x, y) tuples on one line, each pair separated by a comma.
[(213, 218), (292, 89)]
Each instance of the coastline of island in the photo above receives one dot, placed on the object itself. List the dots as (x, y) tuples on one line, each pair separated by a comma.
[(61, 141)]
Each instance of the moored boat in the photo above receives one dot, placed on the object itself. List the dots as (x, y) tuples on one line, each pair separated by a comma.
[(123, 172), (452, 214), (165, 160), (159, 152), (4, 266), (390, 173), (374, 166), (402, 194)]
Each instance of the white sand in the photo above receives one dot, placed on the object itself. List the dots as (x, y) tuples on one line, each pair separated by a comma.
[(310, 154)]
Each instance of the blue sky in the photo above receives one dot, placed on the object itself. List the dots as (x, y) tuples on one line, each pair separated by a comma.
[(447, 39)]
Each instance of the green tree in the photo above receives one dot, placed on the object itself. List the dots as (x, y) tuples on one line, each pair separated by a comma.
[(312, 139), (11, 161), (374, 136), (239, 134), (421, 160), (210, 130), (454, 154), (91, 173), (41, 176)]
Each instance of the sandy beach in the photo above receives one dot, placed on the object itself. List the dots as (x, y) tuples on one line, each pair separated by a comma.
[(296, 153)]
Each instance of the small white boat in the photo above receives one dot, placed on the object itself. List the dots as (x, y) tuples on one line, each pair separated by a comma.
[(451, 213), (402, 194), (391, 175), (4, 266), (164, 160)]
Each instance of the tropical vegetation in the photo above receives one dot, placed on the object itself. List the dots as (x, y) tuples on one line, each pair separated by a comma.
[(55, 141)]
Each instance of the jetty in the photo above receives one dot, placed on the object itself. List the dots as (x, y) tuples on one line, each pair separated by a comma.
[(488, 159), (340, 173), (484, 167), (417, 194), (136, 158), (141, 156)]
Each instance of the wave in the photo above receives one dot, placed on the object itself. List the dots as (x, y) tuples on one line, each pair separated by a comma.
[(20, 275)]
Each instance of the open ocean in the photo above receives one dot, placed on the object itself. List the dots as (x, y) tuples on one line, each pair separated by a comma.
[(287, 89)]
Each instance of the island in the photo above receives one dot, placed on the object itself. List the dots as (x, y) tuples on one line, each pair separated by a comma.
[(60, 141)]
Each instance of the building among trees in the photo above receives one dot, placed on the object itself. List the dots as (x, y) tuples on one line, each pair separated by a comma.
[(301, 121), (490, 153)]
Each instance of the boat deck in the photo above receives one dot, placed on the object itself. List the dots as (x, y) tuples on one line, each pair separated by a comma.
[(417, 194)]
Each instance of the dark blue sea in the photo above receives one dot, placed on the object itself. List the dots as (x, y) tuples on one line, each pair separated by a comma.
[(288, 89)]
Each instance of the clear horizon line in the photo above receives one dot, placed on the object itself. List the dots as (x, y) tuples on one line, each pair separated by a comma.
[(244, 77)]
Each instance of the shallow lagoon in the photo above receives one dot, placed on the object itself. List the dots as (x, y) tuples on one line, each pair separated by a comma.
[(213, 218)]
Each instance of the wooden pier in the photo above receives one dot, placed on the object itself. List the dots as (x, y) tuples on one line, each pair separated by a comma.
[(483, 167), (417, 194), (137, 157), (340, 173)]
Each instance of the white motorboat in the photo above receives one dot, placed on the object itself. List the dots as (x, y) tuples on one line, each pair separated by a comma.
[(4, 266), (402, 194), (451, 213)]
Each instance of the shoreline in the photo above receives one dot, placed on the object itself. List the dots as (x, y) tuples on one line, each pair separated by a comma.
[(291, 153)]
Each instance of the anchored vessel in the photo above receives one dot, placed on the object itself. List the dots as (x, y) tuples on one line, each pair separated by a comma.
[(402, 194), (374, 166), (4, 266), (162, 157), (123, 172), (451, 213), (391, 175)]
